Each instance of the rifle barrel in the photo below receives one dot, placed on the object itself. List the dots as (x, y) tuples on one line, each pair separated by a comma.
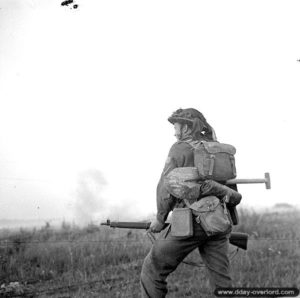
[(236, 238), (127, 224)]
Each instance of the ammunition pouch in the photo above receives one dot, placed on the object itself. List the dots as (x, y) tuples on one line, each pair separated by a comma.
[(182, 222)]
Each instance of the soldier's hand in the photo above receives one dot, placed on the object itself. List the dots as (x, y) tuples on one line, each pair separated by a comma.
[(156, 226)]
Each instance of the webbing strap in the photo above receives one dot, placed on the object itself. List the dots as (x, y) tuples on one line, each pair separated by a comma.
[(212, 164)]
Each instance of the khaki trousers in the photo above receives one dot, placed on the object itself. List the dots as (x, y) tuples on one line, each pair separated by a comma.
[(167, 252)]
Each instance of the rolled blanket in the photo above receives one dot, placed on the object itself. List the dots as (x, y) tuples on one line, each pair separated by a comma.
[(213, 188)]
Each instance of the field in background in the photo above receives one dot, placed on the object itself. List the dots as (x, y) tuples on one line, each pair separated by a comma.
[(102, 262)]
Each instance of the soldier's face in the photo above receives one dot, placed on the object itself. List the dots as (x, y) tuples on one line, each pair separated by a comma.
[(177, 128), (181, 131)]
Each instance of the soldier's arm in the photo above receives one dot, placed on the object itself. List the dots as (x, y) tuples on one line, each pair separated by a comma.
[(165, 202), (180, 155)]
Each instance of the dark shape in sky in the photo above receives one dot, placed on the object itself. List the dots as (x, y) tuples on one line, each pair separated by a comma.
[(67, 2)]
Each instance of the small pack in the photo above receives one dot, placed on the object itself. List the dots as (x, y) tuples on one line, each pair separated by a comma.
[(215, 161), (212, 215)]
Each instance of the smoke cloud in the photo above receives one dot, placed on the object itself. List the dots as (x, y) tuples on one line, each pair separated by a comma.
[(89, 199), (91, 205)]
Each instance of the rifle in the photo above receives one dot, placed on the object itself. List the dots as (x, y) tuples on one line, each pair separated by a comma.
[(236, 238)]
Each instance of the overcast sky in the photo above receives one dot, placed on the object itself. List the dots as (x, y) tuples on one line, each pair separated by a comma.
[(85, 96)]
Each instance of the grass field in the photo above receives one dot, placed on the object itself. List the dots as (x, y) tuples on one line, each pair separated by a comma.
[(101, 262)]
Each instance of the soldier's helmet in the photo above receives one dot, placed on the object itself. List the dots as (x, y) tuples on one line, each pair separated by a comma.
[(196, 121)]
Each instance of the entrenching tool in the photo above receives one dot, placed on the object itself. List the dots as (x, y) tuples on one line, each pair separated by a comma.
[(266, 181)]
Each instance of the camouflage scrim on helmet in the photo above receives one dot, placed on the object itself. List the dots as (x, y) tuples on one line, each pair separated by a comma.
[(194, 119), (181, 116)]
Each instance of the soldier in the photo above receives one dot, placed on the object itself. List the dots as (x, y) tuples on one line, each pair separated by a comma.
[(190, 128)]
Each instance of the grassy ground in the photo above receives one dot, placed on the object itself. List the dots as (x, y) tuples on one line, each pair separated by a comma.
[(102, 262)]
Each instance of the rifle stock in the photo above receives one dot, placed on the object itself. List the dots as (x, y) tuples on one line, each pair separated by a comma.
[(236, 238)]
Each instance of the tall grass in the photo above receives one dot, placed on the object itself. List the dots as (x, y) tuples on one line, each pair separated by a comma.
[(49, 258)]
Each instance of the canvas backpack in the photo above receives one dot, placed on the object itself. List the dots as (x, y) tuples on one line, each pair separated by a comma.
[(215, 160)]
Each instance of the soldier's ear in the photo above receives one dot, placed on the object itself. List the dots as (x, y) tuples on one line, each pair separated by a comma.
[(186, 128), (183, 127)]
